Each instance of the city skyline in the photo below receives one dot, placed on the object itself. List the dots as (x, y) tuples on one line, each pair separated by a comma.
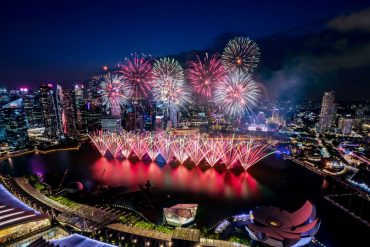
[(307, 77), (185, 123)]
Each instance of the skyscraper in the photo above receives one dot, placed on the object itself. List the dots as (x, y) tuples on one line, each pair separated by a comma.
[(345, 125), (49, 111), (327, 111), (15, 123), (69, 113), (81, 123), (32, 109)]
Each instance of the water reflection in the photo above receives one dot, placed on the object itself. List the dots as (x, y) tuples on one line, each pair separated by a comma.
[(114, 172)]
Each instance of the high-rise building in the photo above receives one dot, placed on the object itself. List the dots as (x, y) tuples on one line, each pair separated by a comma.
[(93, 115), (4, 99), (59, 109), (81, 123), (261, 117), (345, 125), (328, 111), (69, 113), (32, 109), (49, 112), (15, 123)]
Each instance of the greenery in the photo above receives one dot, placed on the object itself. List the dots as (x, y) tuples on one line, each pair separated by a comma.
[(164, 229), (239, 240), (34, 181), (63, 200), (145, 225)]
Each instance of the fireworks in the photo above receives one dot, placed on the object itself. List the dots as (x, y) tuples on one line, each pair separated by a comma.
[(168, 68), (237, 94), (241, 54), (204, 75), (138, 73), (195, 148), (114, 93), (169, 84)]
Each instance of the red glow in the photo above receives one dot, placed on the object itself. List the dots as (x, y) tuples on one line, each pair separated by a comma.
[(180, 178)]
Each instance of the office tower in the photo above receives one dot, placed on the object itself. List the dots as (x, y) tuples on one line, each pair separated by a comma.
[(328, 110), (261, 118), (49, 112), (4, 99), (69, 113), (93, 115), (59, 109), (93, 106), (81, 123), (359, 118), (345, 125), (32, 109), (15, 123)]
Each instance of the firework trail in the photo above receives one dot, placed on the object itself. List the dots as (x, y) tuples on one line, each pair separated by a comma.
[(230, 151)]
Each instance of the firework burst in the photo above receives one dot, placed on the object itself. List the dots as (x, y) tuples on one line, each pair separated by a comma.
[(138, 72), (169, 84), (237, 94), (241, 54), (173, 93), (167, 67), (114, 93), (205, 74)]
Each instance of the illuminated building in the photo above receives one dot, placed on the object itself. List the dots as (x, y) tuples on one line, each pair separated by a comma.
[(345, 125), (69, 113), (275, 114), (327, 111), (33, 111), (59, 109), (81, 123), (261, 118), (279, 228), (93, 106), (15, 123), (49, 111), (4, 99), (17, 219), (180, 214)]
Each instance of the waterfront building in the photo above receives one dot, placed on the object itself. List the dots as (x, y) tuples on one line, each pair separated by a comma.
[(180, 214), (17, 219), (49, 111), (59, 110), (15, 123), (33, 111), (80, 103), (328, 111), (69, 113), (277, 228)]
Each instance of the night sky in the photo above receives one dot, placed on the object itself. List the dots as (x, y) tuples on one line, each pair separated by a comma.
[(69, 41)]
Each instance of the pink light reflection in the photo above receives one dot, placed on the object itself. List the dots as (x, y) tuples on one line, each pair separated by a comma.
[(180, 178)]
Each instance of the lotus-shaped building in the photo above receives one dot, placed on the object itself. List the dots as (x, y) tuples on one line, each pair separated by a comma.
[(279, 228)]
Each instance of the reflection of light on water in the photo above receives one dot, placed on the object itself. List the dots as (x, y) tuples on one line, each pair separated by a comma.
[(11, 164), (175, 178)]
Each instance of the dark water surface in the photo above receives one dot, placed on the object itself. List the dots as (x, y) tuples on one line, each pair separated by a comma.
[(219, 193)]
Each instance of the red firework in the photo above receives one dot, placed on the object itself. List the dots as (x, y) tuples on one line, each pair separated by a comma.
[(205, 74), (138, 72)]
